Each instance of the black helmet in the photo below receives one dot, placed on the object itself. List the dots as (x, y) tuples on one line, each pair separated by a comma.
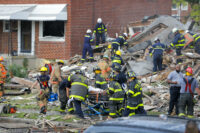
[(131, 75), (116, 67)]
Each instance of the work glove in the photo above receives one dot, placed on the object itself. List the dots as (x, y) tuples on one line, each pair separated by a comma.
[(150, 54), (69, 101), (93, 35)]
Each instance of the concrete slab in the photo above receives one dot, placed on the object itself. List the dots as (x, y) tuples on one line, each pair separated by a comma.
[(141, 46), (141, 68)]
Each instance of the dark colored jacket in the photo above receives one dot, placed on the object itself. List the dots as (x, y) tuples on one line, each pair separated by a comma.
[(88, 40), (157, 49), (43, 80), (179, 41), (120, 41), (117, 59), (134, 93), (115, 91), (79, 87), (100, 28), (100, 82)]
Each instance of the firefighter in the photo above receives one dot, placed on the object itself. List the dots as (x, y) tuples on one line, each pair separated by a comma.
[(3, 73), (108, 51), (157, 52), (104, 66), (49, 67), (134, 96), (44, 91), (116, 97), (100, 31), (196, 41), (79, 91), (121, 76), (178, 43), (119, 42), (64, 96), (88, 40), (188, 86), (100, 81), (56, 77), (117, 58)]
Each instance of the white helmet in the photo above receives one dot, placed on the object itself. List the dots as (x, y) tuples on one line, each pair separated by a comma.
[(174, 30), (187, 31), (156, 39), (88, 31), (99, 20), (125, 34)]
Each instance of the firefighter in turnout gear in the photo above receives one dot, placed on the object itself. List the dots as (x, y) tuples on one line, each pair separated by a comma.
[(134, 96), (116, 97), (79, 91), (117, 58), (3, 73), (88, 41), (56, 76), (188, 86), (178, 43), (44, 92), (100, 30), (196, 41), (104, 66), (64, 96), (100, 81), (119, 42), (157, 52)]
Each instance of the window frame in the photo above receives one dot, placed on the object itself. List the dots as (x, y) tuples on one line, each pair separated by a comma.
[(4, 26), (56, 39)]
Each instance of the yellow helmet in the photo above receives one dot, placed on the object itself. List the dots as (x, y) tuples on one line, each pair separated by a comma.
[(1, 58), (118, 53), (109, 46), (43, 69), (61, 61)]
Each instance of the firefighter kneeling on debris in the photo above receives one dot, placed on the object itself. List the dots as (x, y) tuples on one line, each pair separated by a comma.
[(44, 92), (100, 81), (116, 97), (3, 73), (134, 96), (79, 91), (188, 86)]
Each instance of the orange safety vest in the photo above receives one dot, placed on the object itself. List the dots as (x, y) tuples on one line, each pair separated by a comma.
[(3, 73)]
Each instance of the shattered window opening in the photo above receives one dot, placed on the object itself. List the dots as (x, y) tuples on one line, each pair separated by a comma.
[(53, 28), (6, 26)]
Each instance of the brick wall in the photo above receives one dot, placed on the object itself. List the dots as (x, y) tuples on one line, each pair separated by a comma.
[(49, 50), (116, 14)]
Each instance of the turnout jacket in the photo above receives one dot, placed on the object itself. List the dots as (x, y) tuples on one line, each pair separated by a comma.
[(79, 87)]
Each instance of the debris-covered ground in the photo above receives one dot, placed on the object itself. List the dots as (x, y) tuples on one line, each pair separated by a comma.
[(155, 88)]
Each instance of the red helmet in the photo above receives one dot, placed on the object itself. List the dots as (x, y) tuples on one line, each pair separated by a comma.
[(189, 69)]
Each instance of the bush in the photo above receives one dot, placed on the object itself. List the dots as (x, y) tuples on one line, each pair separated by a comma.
[(18, 71)]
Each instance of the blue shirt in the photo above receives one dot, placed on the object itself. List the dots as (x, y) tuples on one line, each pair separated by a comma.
[(193, 85), (175, 77)]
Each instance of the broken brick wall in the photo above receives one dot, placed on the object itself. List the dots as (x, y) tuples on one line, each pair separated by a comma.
[(116, 14)]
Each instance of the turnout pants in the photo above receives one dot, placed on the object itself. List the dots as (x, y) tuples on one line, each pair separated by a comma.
[(186, 102), (78, 109), (174, 96), (87, 48), (197, 47), (98, 36), (178, 53), (1, 90), (157, 62), (43, 99), (116, 108)]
